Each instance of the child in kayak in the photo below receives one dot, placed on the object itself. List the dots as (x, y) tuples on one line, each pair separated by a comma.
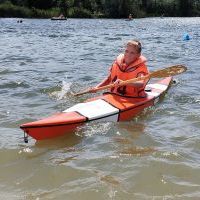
[(129, 65)]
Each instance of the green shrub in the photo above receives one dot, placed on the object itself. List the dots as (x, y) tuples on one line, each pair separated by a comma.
[(76, 12), (7, 9)]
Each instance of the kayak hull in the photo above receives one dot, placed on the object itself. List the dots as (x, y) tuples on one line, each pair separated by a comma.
[(53, 126), (58, 18), (108, 107)]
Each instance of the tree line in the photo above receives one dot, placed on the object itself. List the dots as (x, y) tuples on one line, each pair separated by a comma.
[(99, 8)]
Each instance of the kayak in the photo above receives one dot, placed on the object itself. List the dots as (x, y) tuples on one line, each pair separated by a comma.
[(128, 19), (107, 107), (58, 18)]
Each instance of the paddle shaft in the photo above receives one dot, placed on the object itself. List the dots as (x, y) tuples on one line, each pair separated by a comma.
[(113, 85), (123, 83), (170, 71)]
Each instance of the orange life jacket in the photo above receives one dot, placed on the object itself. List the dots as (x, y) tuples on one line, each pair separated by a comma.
[(120, 70)]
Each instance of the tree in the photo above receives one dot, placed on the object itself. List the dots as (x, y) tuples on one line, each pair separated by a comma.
[(125, 8), (40, 4), (185, 7), (144, 4), (63, 5)]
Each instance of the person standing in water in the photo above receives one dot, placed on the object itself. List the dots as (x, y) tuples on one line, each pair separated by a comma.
[(130, 17), (131, 64)]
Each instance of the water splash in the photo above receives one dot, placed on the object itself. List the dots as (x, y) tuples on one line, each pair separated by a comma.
[(93, 129), (62, 91)]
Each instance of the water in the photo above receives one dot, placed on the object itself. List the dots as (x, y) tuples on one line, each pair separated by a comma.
[(153, 156)]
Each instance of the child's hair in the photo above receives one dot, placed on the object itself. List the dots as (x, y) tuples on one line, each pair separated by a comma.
[(136, 44)]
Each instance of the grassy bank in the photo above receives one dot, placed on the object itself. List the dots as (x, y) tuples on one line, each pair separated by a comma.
[(9, 10)]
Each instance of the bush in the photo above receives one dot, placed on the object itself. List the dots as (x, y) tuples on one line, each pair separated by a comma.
[(76, 12), (7, 9)]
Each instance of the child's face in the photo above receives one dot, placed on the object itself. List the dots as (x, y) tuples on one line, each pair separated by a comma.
[(130, 54)]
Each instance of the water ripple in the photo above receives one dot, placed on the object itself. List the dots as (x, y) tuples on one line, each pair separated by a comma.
[(153, 156), (12, 85)]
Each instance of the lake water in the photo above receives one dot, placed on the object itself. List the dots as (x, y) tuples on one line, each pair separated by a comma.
[(156, 155)]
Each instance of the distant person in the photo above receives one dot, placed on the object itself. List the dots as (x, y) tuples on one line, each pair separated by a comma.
[(61, 16), (131, 64), (162, 15), (130, 17)]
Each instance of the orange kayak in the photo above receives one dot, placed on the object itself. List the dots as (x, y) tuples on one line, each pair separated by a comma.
[(108, 107)]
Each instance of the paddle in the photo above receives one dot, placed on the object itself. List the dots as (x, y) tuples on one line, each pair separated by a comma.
[(166, 72)]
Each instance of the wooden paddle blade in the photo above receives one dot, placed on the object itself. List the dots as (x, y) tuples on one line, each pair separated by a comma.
[(169, 71)]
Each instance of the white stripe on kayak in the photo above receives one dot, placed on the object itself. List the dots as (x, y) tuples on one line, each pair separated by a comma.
[(157, 86), (94, 109), (154, 94)]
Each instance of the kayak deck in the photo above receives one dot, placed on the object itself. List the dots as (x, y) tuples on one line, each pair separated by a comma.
[(108, 107)]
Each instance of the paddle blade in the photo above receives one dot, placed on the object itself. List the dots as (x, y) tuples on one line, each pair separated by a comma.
[(169, 71)]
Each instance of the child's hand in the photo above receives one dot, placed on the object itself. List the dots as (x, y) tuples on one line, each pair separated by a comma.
[(117, 82), (92, 89)]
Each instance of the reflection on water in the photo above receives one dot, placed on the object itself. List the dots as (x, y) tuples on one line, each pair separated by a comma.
[(67, 141), (122, 140), (127, 142), (137, 151), (110, 180)]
